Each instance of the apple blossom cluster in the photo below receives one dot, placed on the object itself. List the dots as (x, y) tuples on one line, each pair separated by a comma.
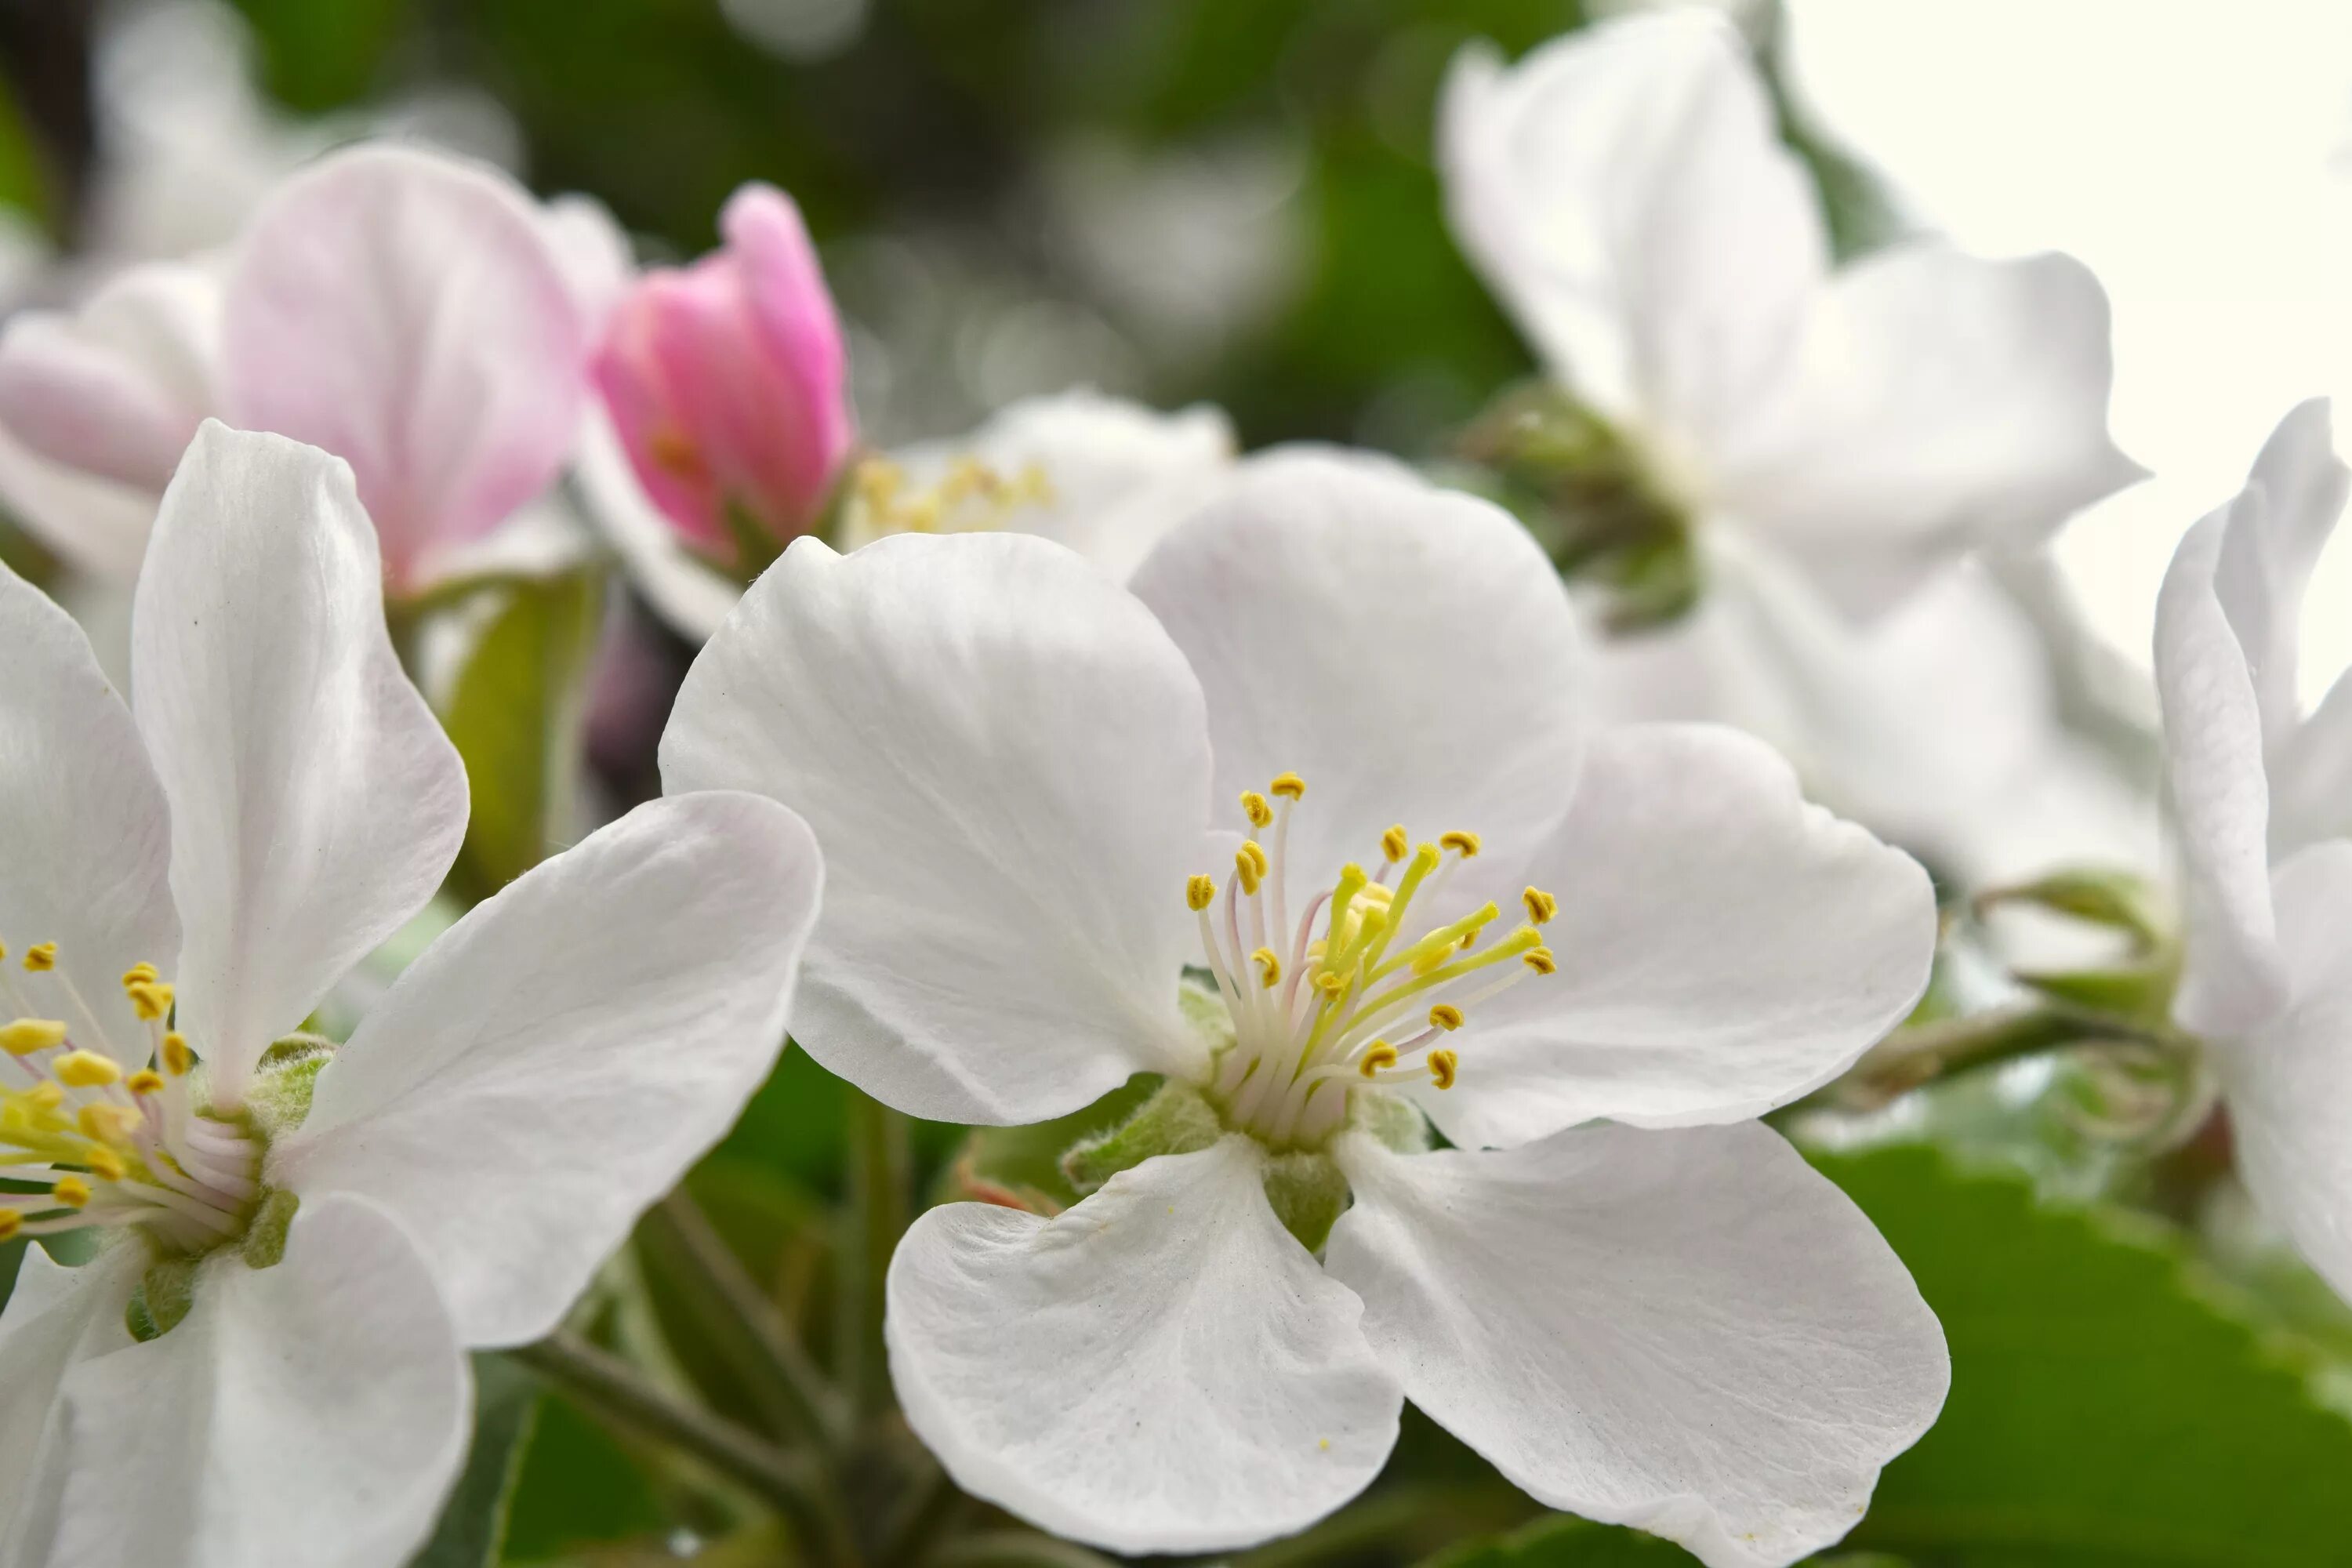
[(1458, 926)]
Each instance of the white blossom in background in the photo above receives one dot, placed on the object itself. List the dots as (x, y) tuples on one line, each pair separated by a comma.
[(1638, 1303), (2262, 794), (264, 1366)]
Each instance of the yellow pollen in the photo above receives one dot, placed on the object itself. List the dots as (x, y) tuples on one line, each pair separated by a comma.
[(1378, 1055), (105, 1163), (41, 956), (1290, 786), (177, 1058), (1446, 1015), (1255, 807), (146, 1080), (1539, 958), (1393, 843), (26, 1036), (1541, 906), (107, 1123), (11, 1222), (87, 1069), (71, 1191), (151, 999), (1269, 967), (1331, 983), (1464, 844), (1200, 892), (1442, 1065), (1249, 866), (136, 973)]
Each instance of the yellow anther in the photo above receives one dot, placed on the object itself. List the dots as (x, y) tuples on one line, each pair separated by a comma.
[(1442, 1065), (25, 1036), (11, 1222), (107, 1123), (1541, 906), (1255, 807), (1446, 1015), (71, 1191), (1200, 892), (1393, 843), (1464, 844), (43, 1096), (1331, 983), (1378, 1055), (146, 1080), (40, 956), (177, 1058), (105, 1163), (1269, 967), (1247, 867), (1257, 852), (151, 999), (136, 973), (1539, 958), (1290, 786), (87, 1069)]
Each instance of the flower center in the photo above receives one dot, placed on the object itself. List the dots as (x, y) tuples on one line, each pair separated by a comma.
[(1362, 990), (969, 496), (86, 1141)]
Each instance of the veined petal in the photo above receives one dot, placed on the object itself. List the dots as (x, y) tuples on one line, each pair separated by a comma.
[(57, 1318), (1409, 651), (2277, 529), (2289, 1080), (554, 1062), (1162, 1368), (2231, 975), (310, 1415), (85, 837), (1007, 763), (1690, 1331), (1724, 947), (1940, 402), (315, 803), (408, 312), (1624, 194)]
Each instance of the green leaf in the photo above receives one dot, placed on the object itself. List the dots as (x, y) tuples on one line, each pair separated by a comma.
[(514, 714), (473, 1524), (577, 1488), (2106, 1410)]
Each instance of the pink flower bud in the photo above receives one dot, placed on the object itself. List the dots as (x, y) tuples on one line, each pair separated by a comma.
[(726, 380)]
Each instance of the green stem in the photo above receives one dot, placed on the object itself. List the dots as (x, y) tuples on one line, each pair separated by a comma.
[(610, 1386), (1921, 1054), (881, 1183), (751, 1330), (1015, 1549)]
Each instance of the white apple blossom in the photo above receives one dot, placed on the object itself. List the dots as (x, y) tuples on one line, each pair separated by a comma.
[(1635, 1301), (1105, 476), (2262, 796), (263, 1366)]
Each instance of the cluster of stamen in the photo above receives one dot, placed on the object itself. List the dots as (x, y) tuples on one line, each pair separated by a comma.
[(1351, 996), (969, 496), (86, 1141)]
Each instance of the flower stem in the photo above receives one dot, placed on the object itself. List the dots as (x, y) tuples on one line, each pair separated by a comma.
[(794, 1486), (751, 1332), (1015, 1549), (881, 1183), (1921, 1054)]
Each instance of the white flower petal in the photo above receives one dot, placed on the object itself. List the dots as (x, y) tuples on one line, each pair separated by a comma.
[(2289, 1080), (692, 596), (1162, 1368), (1691, 1331), (554, 1062), (2231, 975), (57, 1318), (2277, 529), (96, 525), (1409, 651), (1624, 194), (2311, 775), (315, 803), (306, 1415), (1007, 762), (1940, 402), (85, 837), (1724, 947)]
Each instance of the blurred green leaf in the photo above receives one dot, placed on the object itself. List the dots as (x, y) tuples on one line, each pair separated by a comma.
[(1563, 1540), (316, 58), (576, 1487), (515, 715), (2105, 1412), (23, 181), (474, 1522)]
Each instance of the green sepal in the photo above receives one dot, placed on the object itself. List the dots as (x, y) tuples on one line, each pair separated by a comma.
[(2119, 899), (165, 1293), (752, 547), (279, 1100), (2137, 994), (1204, 1009), (1177, 1120), (1308, 1192), (265, 1240), (1393, 1120)]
